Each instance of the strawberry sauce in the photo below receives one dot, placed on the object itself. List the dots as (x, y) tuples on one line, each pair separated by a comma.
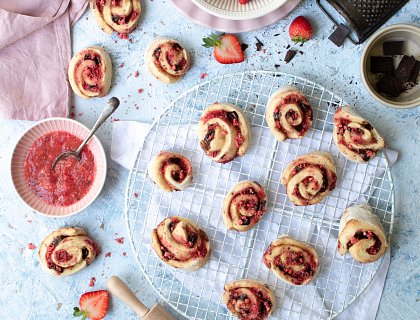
[(70, 181)]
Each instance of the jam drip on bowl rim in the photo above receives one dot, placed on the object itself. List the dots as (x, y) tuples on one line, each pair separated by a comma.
[(119, 16), (244, 205), (167, 60), (309, 178), (355, 137), (90, 72), (170, 171), (361, 233), (292, 261), (224, 132), (289, 114), (181, 243), (67, 251), (70, 180), (249, 299)]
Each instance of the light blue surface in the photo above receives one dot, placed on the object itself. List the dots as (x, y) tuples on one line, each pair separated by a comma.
[(29, 293)]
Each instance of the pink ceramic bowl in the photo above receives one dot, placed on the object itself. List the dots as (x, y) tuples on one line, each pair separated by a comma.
[(21, 150)]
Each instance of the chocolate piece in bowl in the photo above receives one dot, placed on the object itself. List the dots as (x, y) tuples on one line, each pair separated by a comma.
[(390, 85), (381, 64), (393, 48), (405, 67), (414, 73)]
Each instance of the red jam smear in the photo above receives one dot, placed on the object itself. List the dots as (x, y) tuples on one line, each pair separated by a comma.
[(294, 259), (303, 105), (233, 118), (248, 310), (343, 126), (328, 181), (200, 252), (182, 163), (366, 234), (70, 181), (258, 206)]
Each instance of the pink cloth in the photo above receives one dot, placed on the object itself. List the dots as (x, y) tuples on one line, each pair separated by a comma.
[(35, 50)]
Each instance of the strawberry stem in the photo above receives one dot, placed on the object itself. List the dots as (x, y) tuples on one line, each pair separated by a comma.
[(78, 313)]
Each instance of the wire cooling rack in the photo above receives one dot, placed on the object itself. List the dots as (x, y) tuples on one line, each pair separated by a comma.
[(197, 295)]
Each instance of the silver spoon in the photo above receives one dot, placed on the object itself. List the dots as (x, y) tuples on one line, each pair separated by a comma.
[(113, 104)]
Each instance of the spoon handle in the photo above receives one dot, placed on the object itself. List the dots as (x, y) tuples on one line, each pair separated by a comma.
[(113, 104)]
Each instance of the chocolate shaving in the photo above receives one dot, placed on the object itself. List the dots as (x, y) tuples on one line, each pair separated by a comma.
[(390, 85), (259, 44), (290, 55)]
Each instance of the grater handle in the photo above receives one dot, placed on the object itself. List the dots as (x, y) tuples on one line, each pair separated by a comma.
[(118, 288), (318, 2)]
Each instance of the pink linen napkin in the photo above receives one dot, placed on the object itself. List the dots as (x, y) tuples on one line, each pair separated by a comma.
[(35, 50)]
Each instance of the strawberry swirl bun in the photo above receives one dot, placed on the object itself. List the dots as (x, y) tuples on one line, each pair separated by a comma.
[(90, 73), (249, 299), (224, 132), (361, 233), (170, 171), (355, 137), (167, 60), (67, 251), (292, 261), (309, 178), (121, 16), (244, 205), (289, 114), (181, 243)]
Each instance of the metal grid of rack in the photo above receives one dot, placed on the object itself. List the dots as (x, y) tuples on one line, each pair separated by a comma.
[(236, 255)]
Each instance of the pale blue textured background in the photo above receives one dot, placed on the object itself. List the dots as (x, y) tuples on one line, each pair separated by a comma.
[(29, 293)]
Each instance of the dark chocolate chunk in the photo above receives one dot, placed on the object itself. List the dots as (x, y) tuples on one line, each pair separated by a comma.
[(393, 48), (414, 73), (405, 67), (339, 35), (381, 64), (290, 55), (244, 46), (276, 66), (390, 85)]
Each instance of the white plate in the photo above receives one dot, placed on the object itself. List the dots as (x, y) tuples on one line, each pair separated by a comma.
[(233, 10)]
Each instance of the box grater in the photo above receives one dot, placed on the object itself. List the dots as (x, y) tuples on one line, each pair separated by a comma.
[(363, 16)]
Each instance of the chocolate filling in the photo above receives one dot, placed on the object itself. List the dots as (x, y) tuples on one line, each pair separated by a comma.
[(296, 259), (247, 310)]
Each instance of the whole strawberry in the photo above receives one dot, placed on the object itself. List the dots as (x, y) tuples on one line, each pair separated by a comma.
[(227, 48), (300, 30)]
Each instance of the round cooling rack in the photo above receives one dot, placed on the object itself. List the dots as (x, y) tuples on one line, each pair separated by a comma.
[(197, 295)]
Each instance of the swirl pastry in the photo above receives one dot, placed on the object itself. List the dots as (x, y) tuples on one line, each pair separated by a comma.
[(90, 73), (181, 243), (120, 16), (309, 178), (67, 251), (170, 171), (356, 138), (289, 114), (244, 205), (249, 299), (361, 233), (167, 60), (224, 132), (292, 261)]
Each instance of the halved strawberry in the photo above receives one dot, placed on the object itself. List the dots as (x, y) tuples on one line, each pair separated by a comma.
[(300, 30), (227, 48), (93, 305)]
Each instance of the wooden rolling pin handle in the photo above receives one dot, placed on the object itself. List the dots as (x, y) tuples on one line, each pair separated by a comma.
[(118, 288)]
